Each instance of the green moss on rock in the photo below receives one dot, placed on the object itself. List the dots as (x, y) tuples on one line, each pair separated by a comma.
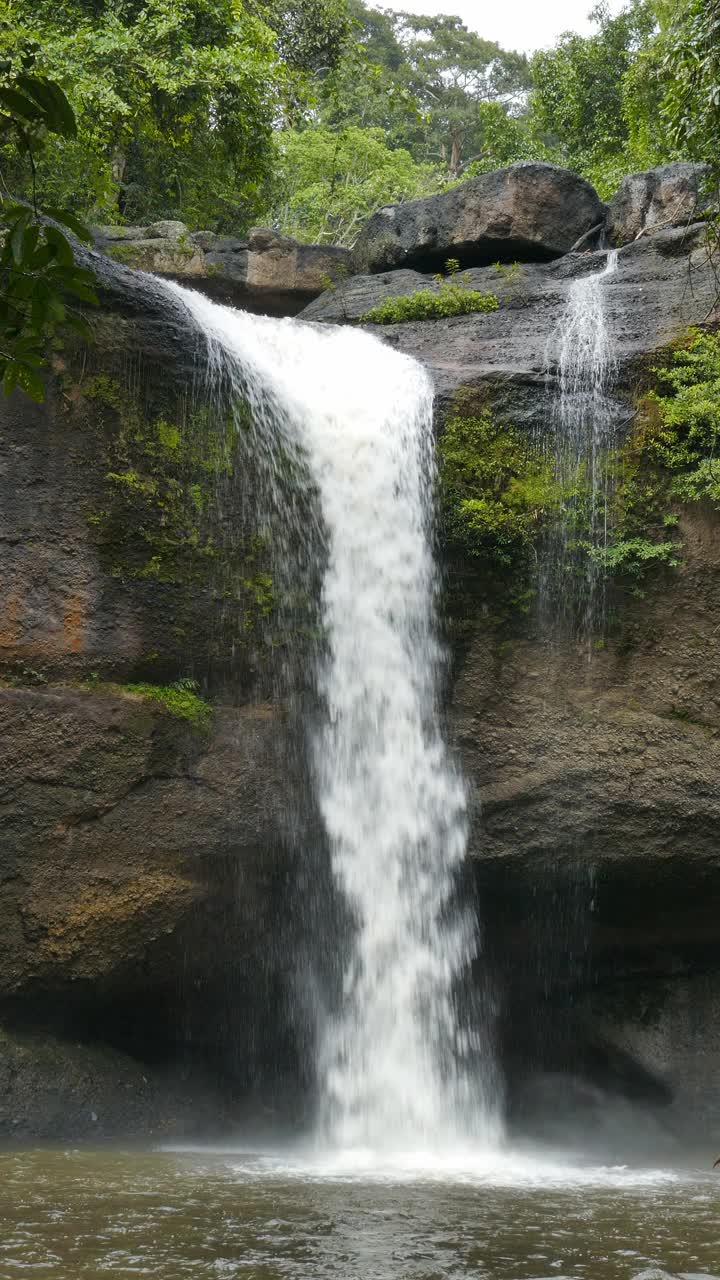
[(496, 488), (179, 699), (669, 459), (158, 518), (428, 304)]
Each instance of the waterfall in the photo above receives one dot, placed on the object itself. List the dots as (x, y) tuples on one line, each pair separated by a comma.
[(394, 1069), (583, 417)]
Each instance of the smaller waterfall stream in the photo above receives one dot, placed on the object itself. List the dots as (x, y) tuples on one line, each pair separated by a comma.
[(584, 416), (390, 1059)]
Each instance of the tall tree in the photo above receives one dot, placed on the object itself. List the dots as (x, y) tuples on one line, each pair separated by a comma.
[(426, 82), (453, 72), (580, 104), (692, 60)]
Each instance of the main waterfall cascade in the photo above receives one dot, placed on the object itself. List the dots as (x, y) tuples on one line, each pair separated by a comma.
[(395, 1071)]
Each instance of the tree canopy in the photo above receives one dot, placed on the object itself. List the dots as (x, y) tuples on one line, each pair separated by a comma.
[(176, 100), (309, 114)]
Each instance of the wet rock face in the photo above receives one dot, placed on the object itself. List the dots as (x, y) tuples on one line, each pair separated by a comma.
[(671, 195), (610, 762), (268, 273), (527, 211), (143, 945), (118, 818), (103, 541), (57, 1091)]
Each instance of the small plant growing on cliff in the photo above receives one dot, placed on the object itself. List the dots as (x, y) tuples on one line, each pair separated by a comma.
[(180, 699), (670, 457), (511, 275), (453, 297)]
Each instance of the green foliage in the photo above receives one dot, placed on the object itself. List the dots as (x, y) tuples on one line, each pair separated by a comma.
[(311, 36), (176, 100), (633, 556), (594, 98), (451, 298), (38, 272), (314, 113), (692, 64), (499, 492), (682, 431), (179, 699), (329, 182), (669, 458), (496, 489), (429, 80)]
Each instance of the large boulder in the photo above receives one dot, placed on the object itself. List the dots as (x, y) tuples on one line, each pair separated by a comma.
[(267, 273), (529, 211), (671, 195)]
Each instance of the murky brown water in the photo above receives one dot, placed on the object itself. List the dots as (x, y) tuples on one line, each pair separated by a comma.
[(170, 1215)]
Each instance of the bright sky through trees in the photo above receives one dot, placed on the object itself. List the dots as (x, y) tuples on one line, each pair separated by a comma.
[(515, 24)]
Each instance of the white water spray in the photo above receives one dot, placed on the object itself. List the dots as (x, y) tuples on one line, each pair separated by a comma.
[(392, 1064), (585, 366)]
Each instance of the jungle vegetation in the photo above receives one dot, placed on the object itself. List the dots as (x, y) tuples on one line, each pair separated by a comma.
[(306, 115), (309, 114)]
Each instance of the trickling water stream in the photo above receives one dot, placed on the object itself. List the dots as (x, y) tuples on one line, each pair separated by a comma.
[(390, 1060), (583, 419)]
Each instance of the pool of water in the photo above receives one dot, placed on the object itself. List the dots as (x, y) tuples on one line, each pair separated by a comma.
[(171, 1214)]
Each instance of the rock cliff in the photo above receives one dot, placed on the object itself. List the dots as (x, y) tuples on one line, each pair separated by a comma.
[(267, 273), (151, 893)]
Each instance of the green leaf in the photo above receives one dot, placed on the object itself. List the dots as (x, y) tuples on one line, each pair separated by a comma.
[(55, 310), (31, 383), (30, 239), (60, 246), (18, 105), (10, 378), (40, 258), (59, 116)]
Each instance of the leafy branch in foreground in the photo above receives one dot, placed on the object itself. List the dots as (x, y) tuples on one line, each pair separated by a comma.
[(38, 271)]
